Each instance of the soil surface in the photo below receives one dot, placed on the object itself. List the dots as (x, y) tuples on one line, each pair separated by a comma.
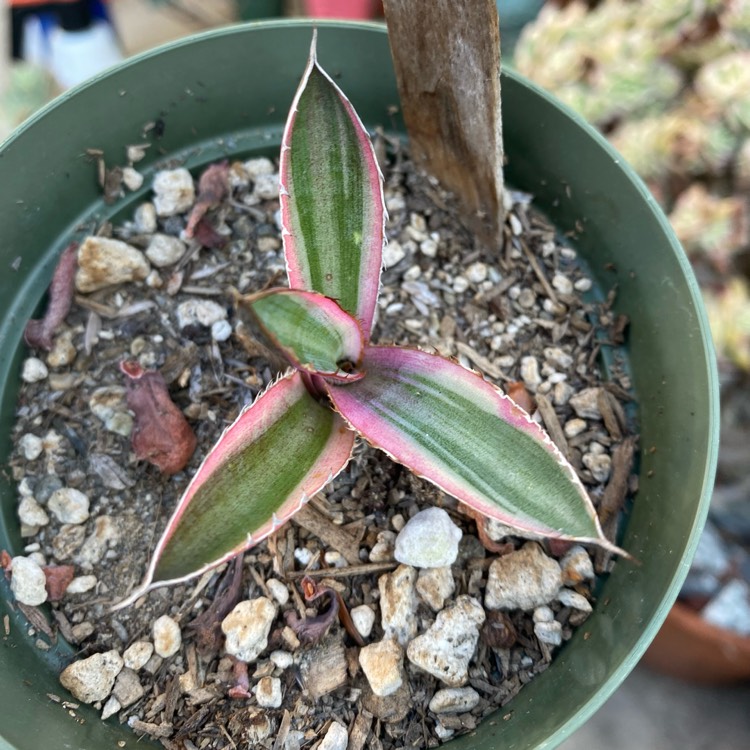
[(518, 313)]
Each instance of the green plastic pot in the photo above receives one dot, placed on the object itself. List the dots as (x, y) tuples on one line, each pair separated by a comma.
[(226, 93)]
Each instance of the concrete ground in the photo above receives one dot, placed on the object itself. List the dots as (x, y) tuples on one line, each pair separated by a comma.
[(654, 712), (649, 711)]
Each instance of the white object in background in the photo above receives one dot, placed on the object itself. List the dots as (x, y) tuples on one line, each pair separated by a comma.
[(78, 55)]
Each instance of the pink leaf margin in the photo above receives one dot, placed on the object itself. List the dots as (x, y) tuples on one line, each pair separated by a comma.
[(400, 448), (371, 270), (252, 421)]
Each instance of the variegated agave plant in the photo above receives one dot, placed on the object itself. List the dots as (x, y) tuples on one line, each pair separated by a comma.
[(444, 422)]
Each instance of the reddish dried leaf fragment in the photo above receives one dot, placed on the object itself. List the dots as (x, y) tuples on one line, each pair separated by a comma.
[(208, 237), (58, 578), (312, 629), (212, 187), (518, 392), (161, 434), (38, 333)]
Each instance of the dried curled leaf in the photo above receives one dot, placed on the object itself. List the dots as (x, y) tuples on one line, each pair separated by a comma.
[(38, 333), (161, 435)]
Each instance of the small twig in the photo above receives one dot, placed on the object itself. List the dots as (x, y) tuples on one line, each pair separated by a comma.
[(539, 271), (351, 570), (552, 423)]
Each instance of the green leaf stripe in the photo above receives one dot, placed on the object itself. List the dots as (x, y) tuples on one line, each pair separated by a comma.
[(313, 331), (447, 425)]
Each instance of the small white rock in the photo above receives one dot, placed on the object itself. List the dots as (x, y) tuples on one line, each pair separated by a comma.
[(268, 692), (33, 370), (69, 505), (247, 627), (599, 464), (282, 659), (573, 599), (337, 738), (498, 531), (106, 534), (543, 614), (111, 707), (167, 636), (221, 330), (583, 284), (81, 584), (447, 647), (92, 679), (476, 273), (136, 655), (103, 262), (31, 513), (258, 166), (132, 178), (524, 579), (145, 218), (393, 253), (454, 700), (530, 372), (460, 284), (574, 427), (363, 618), (586, 403), (266, 186), (27, 581), (278, 590), (549, 632), (382, 663), (164, 250), (435, 586), (429, 540), (203, 312), (398, 604), (63, 350), (562, 283), (558, 357), (174, 191), (428, 247), (576, 566)]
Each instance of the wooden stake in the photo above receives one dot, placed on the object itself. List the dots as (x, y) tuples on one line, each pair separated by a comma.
[(447, 60)]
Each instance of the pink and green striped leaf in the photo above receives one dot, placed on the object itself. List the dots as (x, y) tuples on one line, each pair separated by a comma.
[(450, 426), (280, 451), (311, 330), (332, 206)]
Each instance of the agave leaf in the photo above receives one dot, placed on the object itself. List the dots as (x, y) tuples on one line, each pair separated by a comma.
[(450, 426), (312, 331), (278, 453), (332, 206)]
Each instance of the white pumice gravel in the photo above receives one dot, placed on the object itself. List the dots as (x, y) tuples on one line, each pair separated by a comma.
[(167, 636), (446, 647), (174, 191), (27, 582), (247, 627), (103, 262), (69, 505), (92, 679), (428, 540), (524, 579), (33, 370)]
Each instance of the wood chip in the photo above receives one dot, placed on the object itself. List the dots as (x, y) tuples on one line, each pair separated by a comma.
[(484, 364), (552, 423), (333, 536), (360, 731)]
